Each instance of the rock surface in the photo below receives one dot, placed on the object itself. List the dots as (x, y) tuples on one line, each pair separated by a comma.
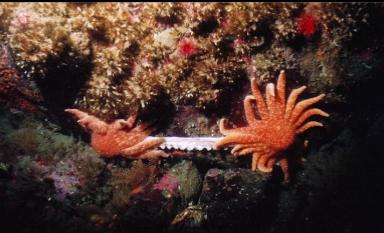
[(243, 196), (189, 64)]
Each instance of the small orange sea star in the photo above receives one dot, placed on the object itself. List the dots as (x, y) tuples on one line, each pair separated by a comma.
[(120, 137), (280, 122)]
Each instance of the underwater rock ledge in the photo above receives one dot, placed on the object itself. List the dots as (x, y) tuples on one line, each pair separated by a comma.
[(181, 67)]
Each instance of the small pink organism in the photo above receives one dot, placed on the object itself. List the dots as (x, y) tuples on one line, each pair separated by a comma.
[(187, 47), (21, 20), (225, 23), (168, 183), (238, 43), (307, 24)]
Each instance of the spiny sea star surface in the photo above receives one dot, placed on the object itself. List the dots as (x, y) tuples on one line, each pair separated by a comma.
[(279, 121), (120, 137)]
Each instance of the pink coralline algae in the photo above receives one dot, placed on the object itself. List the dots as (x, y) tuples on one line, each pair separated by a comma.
[(307, 24)]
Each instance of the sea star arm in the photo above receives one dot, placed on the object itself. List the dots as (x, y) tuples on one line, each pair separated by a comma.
[(245, 151), (262, 164), (307, 114), (281, 120), (284, 168), (133, 139), (255, 158), (302, 105), (255, 148), (141, 147), (271, 98), (261, 106), (281, 87), (152, 154), (144, 128), (77, 113), (225, 131), (271, 162), (236, 139), (248, 110), (308, 125), (88, 121), (237, 148), (125, 124), (291, 102), (240, 147), (280, 95)]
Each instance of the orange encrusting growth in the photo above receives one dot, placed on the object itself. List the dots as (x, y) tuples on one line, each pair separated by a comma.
[(279, 121), (120, 137)]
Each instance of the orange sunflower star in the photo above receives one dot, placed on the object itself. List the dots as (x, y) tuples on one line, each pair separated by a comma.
[(120, 137), (280, 122)]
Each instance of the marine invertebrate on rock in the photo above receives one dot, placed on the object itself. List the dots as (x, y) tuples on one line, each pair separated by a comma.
[(168, 183), (38, 33), (119, 137), (187, 47), (281, 120), (123, 44), (307, 24)]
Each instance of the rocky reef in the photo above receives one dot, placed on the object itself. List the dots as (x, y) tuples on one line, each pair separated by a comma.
[(182, 67), (120, 58)]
